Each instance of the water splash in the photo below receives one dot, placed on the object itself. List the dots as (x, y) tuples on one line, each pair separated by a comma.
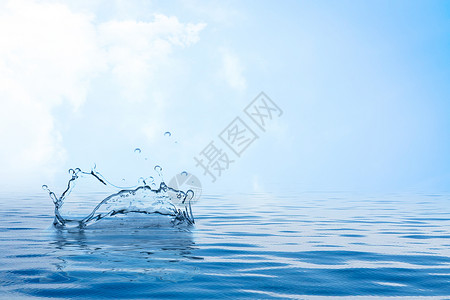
[(138, 199), (167, 133), (158, 170)]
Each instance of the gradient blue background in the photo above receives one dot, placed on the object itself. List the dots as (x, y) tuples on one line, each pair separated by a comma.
[(364, 86)]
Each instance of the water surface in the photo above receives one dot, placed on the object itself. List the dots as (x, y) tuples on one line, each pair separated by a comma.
[(301, 246)]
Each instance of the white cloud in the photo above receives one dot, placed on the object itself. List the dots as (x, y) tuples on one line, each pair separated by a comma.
[(135, 50), (232, 70), (49, 55), (219, 12)]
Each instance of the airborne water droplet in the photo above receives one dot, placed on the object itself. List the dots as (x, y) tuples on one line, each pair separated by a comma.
[(158, 168), (184, 173), (167, 133), (45, 187), (137, 150)]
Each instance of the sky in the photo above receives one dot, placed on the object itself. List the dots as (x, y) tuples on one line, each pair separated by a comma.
[(362, 88)]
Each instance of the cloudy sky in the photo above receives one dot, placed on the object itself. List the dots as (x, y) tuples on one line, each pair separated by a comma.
[(363, 87)]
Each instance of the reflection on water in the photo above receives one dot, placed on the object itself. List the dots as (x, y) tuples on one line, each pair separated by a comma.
[(242, 246), (133, 244)]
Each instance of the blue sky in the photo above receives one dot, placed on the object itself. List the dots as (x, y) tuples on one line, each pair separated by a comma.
[(363, 87)]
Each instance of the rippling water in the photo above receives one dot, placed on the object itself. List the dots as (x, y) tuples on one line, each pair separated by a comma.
[(242, 246)]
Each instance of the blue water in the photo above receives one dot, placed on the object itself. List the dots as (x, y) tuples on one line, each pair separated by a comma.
[(261, 246)]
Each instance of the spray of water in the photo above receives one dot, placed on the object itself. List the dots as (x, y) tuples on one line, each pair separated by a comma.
[(138, 199)]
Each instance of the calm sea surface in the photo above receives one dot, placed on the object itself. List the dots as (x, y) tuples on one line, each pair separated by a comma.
[(303, 246)]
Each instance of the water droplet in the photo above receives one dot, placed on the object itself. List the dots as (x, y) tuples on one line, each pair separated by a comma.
[(146, 158), (184, 173), (137, 150), (45, 187), (167, 133), (158, 168), (190, 194)]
